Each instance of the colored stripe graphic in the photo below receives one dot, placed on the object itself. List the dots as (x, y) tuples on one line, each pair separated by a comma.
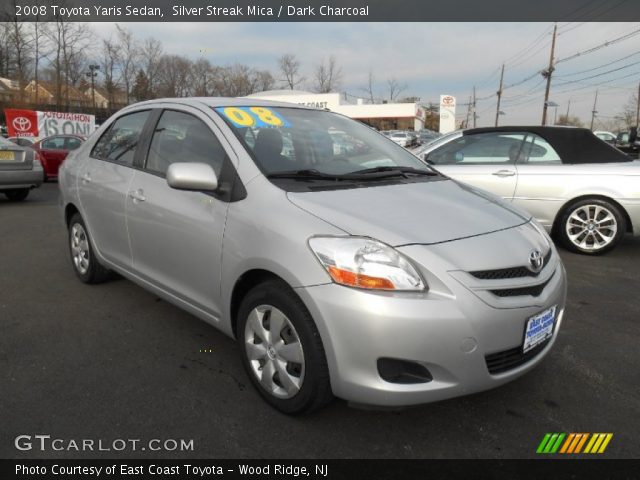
[(573, 443)]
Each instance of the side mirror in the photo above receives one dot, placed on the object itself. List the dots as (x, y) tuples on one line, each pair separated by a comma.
[(192, 176)]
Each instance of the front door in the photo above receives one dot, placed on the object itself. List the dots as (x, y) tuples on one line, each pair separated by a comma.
[(484, 160), (176, 236)]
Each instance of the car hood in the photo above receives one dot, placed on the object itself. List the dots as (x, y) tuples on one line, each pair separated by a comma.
[(416, 213)]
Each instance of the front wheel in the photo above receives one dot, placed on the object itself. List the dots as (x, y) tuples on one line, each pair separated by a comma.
[(85, 264), (17, 195), (281, 349), (591, 226)]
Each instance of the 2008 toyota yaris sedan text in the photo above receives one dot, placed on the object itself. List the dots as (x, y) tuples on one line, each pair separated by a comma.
[(352, 270)]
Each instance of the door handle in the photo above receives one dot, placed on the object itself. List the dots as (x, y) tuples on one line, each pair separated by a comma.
[(137, 195), (504, 173)]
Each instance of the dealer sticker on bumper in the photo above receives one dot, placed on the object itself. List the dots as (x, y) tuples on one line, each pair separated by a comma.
[(539, 328)]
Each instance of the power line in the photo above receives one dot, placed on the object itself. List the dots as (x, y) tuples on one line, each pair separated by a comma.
[(538, 39), (598, 67), (598, 47), (599, 74)]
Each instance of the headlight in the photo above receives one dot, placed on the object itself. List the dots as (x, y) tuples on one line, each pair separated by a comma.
[(366, 263)]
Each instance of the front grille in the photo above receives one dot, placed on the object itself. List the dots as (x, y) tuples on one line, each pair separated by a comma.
[(533, 291), (508, 359), (506, 273)]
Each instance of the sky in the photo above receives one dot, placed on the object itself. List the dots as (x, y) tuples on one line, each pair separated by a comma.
[(434, 59)]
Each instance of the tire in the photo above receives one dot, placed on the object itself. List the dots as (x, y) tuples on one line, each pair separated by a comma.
[(297, 378), (591, 226), (17, 195), (84, 262)]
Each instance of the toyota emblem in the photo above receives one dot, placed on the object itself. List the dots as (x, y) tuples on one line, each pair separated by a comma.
[(536, 262), (21, 124)]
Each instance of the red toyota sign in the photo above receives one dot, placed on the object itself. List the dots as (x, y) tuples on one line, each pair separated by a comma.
[(21, 123)]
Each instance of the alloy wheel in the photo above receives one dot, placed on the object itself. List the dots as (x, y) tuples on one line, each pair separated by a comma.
[(591, 227)]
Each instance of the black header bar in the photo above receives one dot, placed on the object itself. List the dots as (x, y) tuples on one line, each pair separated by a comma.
[(323, 10)]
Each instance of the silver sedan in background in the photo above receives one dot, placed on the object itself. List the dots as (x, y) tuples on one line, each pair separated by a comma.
[(583, 190)]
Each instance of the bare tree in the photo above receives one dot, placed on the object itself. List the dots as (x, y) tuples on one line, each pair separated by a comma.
[(201, 78), (368, 88), (129, 57), (69, 40), (151, 54), (173, 76), (263, 80), (21, 42), (289, 68), (395, 88), (40, 51), (628, 114), (109, 65), (327, 76)]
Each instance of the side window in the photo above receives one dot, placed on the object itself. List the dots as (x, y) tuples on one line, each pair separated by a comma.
[(538, 151), (73, 143), (54, 143), (118, 144), (181, 137), (494, 148)]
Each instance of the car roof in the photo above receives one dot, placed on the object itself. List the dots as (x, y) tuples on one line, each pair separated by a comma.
[(573, 144), (221, 102)]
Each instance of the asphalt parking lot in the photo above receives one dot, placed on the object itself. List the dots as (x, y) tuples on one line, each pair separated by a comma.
[(113, 361)]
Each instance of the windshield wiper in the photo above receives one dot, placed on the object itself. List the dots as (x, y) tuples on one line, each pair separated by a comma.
[(308, 174), (359, 175), (393, 171)]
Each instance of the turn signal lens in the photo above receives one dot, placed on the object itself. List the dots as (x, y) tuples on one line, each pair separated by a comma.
[(366, 263)]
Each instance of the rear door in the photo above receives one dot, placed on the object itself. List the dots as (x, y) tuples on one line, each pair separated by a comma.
[(104, 182), (176, 236), (484, 160)]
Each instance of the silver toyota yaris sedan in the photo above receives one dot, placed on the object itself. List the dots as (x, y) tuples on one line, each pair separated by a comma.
[(352, 270)]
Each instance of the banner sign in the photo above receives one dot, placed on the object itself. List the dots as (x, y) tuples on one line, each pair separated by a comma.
[(31, 123), (447, 113)]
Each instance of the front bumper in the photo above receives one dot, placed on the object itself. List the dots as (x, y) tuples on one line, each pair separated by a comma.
[(449, 333)]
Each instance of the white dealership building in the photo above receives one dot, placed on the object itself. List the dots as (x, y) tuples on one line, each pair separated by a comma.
[(384, 116)]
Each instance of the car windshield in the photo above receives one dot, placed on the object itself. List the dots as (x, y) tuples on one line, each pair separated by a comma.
[(4, 143), (289, 140)]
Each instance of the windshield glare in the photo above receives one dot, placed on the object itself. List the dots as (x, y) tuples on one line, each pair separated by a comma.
[(291, 139)]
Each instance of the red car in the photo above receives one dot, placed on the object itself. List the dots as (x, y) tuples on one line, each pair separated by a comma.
[(53, 150)]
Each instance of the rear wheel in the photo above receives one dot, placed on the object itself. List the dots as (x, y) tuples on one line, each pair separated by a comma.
[(281, 349), (591, 226), (85, 263), (17, 195)]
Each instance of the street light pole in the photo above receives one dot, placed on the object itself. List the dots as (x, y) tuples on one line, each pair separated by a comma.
[(92, 73)]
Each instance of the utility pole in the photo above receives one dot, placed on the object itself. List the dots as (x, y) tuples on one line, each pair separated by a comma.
[(499, 95), (466, 123), (568, 108), (594, 111), (474, 106), (93, 73), (547, 74)]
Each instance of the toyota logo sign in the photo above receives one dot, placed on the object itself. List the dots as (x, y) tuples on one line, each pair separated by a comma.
[(448, 100), (21, 124)]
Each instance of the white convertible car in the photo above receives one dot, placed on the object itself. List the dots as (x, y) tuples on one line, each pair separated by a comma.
[(583, 190)]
